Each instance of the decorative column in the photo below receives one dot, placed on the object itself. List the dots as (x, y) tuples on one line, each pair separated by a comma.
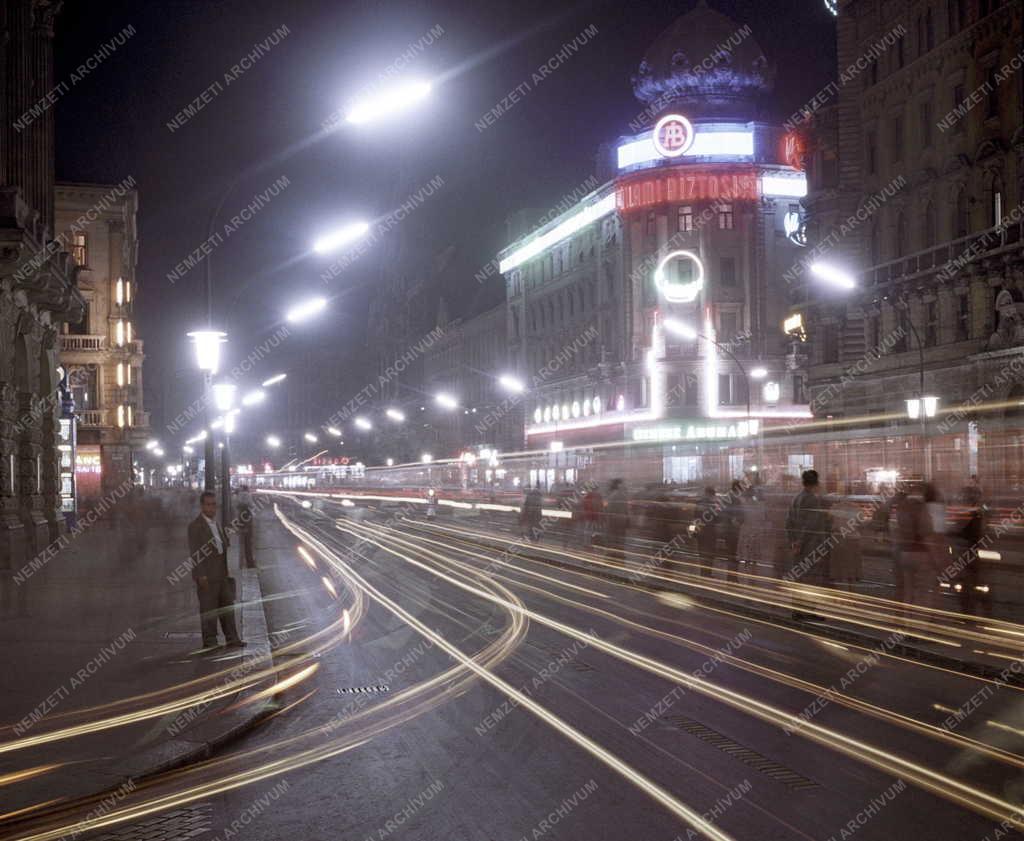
[(12, 531), (50, 433), (30, 435)]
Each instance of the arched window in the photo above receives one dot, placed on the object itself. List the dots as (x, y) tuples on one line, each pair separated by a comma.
[(995, 201), (901, 234), (928, 232), (960, 218)]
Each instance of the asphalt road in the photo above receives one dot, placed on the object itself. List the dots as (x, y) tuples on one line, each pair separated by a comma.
[(479, 694)]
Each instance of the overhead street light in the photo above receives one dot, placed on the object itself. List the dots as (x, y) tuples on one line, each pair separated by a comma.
[(446, 401), (363, 423), (426, 458), (512, 384), (390, 462), (152, 444), (833, 275), (207, 344), (274, 380), (187, 450), (224, 396), (305, 310), (388, 102), (254, 397), (195, 439), (273, 441), (309, 436), (758, 373), (396, 415), (158, 452), (342, 236), (333, 430)]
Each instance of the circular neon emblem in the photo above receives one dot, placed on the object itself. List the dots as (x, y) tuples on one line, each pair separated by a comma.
[(673, 135), (682, 285)]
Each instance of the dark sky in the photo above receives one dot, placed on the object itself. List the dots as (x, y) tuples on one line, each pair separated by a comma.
[(112, 124)]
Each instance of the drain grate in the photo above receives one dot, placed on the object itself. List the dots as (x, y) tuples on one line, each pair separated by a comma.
[(188, 822), (363, 690), (759, 762)]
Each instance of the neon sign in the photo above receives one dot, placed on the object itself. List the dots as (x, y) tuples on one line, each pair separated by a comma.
[(685, 286), (687, 185), (672, 135)]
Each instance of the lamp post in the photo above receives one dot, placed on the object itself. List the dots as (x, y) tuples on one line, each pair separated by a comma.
[(688, 332), (207, 344), (224, 398)]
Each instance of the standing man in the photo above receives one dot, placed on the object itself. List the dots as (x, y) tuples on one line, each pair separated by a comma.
[(208, 551), (708, 516), (246, 526), (809, 532)]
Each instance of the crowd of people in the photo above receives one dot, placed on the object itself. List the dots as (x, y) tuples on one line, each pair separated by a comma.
[(809, 537)]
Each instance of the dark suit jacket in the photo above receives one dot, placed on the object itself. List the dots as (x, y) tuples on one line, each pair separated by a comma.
[(206, 562)]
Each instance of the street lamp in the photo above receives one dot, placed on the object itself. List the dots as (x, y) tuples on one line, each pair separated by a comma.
[(833, 275), (333, 430), (152, 444), (187, 450), (309, 436), (273, 441), (253, 397), (390, 462), (426, 458), (224, 400), (274, 380), (512, 384), (759, 373), (396, 415), (446, 401), (305, 310), (363, 423), (336, 239), (687, 332), (389, 102), (207, 344)]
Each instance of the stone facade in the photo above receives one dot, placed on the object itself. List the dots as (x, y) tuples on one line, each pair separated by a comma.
[(925, 210), (102, 355), (37, 285)]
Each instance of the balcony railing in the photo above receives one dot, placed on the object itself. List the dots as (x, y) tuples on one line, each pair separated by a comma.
[(950, 257), (83, 342), (90, 417)]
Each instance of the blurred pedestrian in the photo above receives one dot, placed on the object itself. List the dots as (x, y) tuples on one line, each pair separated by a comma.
[(246, 526), (708, 514), (912, 558), (845, 557), (593, 511), (617, 518), (208, 553), (809, 533), (531, 513), (732, 518), (970, 536)]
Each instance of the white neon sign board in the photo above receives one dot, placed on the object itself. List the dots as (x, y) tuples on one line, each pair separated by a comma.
[(566, 228), (672, 290), (708, 142)]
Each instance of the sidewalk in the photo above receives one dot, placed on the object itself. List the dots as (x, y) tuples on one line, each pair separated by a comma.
[(88, 630)]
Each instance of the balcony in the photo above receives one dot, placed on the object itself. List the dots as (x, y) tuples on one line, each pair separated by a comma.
[(80, 343), (90, 417)]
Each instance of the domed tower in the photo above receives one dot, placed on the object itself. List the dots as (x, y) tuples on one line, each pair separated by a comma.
[(704, 64)]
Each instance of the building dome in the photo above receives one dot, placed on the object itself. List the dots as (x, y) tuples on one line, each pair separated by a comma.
[(706, 64)]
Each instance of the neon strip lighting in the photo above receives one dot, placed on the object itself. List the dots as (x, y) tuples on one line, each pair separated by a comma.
[(706, 144), (787, 186), (566, 228)]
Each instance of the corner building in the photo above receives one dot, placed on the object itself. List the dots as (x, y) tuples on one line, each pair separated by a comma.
[(651, 310)]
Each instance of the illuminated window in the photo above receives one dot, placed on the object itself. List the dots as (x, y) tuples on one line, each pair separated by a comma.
[(119, 292), (725, 217), (963, 317), (931, 324), (130, 421), (79, 250), (119, 333), (120, 416), (685, 218), (128, 332), (120, 374)]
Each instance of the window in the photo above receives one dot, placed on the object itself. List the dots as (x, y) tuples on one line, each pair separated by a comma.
[(896, 139), (798, 389), (992, 103), (956, 11), (902, 331), (900, 54), (928, 232), (931, 323), (873, 327), (732, 390), (724, 390), (651, 222), (685, 218), (925, 111), (79, 249), (875, 244), (727, 271), (830, 346), (82, 327), (960, 220), (963, 317), (692, 390), (874, 72), (901, 235), (920, 35), (958, 98), (871, 153), (725, 217), (727, 322), (929, 29), (996, 202)]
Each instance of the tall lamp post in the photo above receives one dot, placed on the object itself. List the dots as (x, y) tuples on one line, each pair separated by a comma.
[(207, 344), (224, 398), (923, 406)]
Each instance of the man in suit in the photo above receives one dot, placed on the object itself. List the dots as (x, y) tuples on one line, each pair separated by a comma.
[(208, 551)]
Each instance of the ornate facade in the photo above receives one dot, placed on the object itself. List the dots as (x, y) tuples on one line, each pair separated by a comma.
[(37, 285), (102, 354), (925, 211), (691, 228)]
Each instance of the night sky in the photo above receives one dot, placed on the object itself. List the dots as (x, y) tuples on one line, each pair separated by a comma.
[(112, 124)]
